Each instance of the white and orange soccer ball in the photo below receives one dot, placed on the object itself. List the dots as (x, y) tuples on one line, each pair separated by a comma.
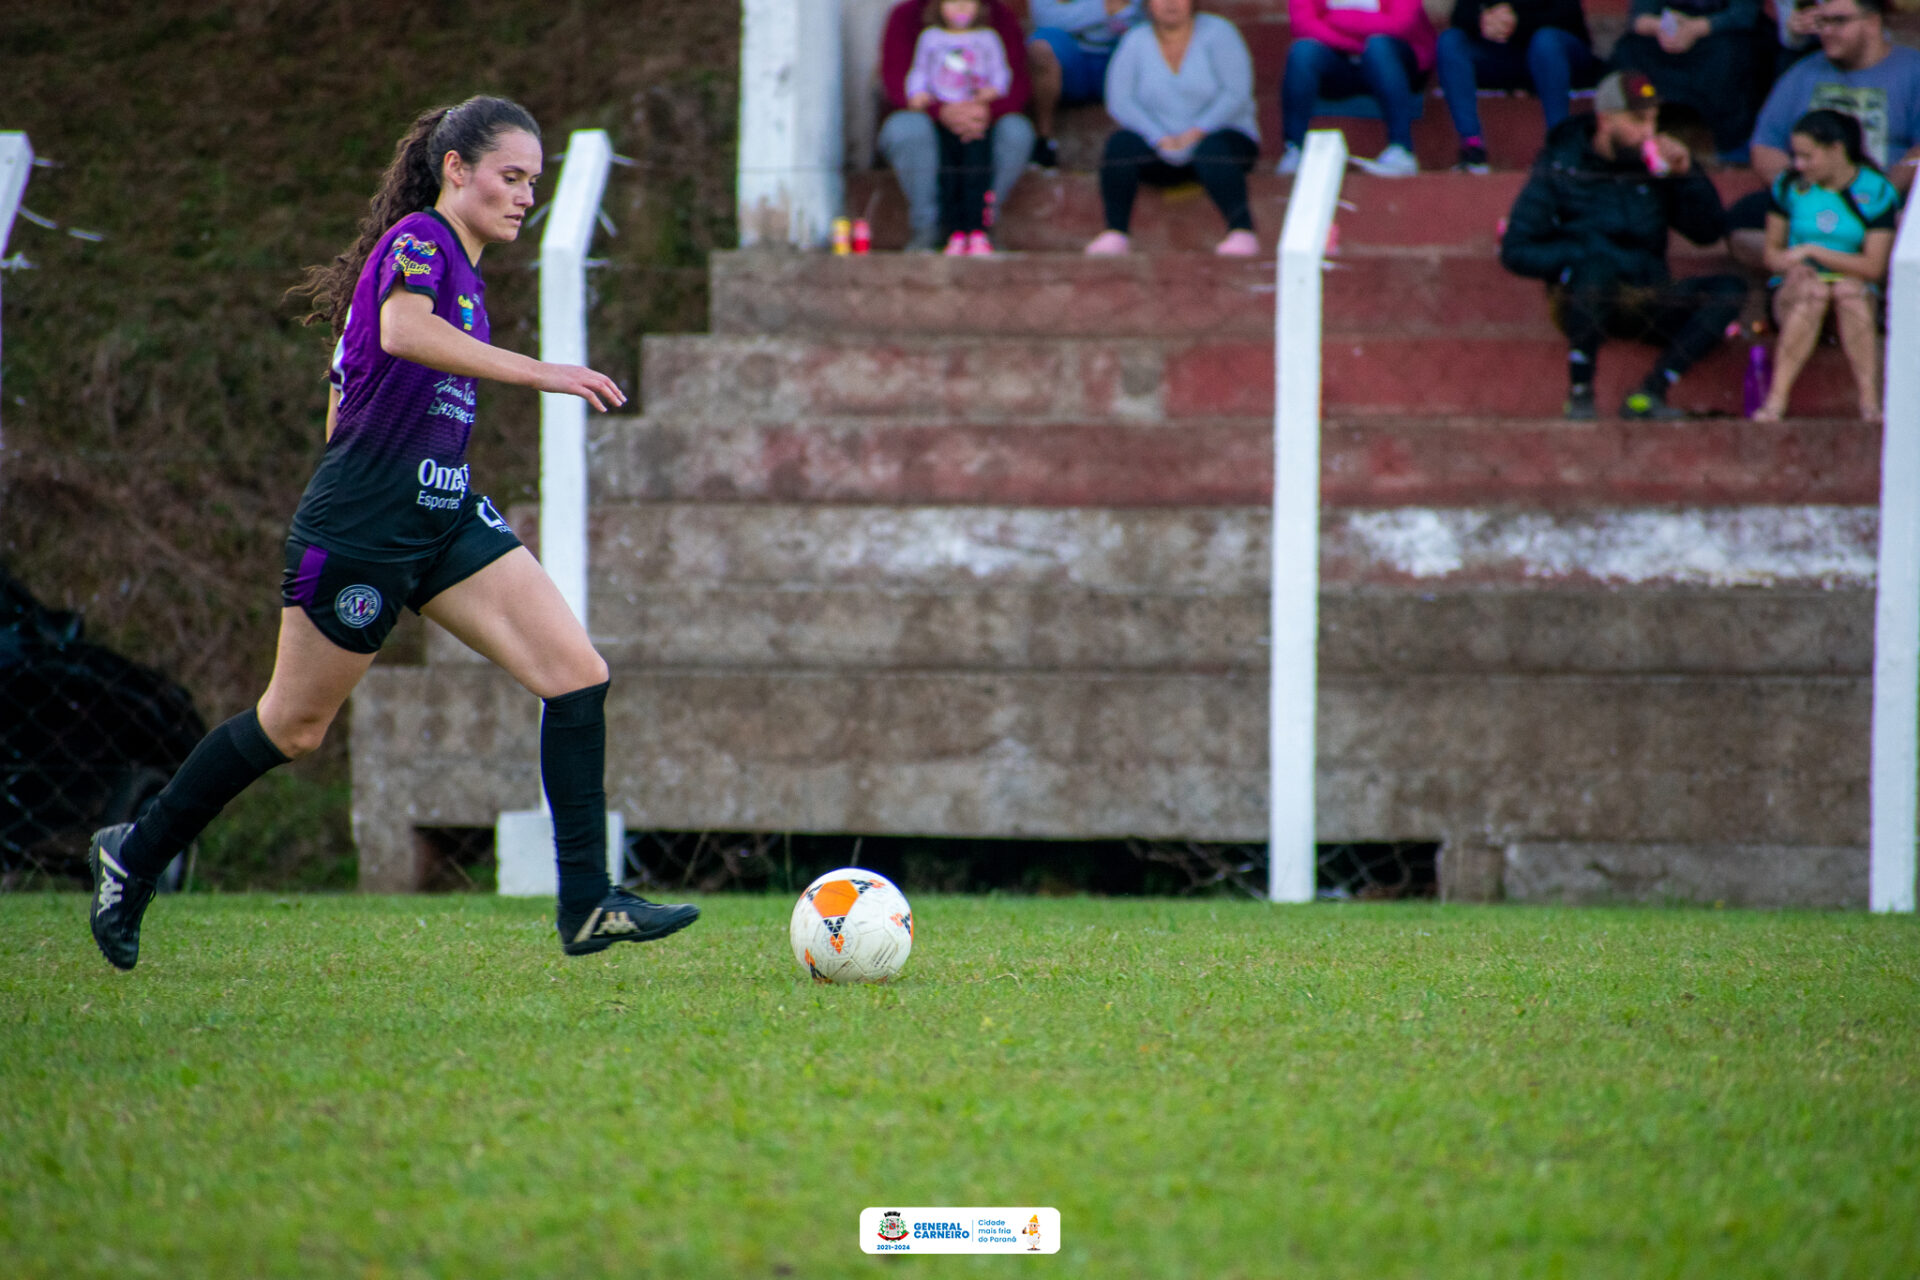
[(852, 926)]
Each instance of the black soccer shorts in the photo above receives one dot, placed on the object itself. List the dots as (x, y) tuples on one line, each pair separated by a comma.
[(356, 602)]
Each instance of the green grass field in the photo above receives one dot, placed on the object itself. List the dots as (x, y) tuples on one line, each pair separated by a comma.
[(349, 1087)]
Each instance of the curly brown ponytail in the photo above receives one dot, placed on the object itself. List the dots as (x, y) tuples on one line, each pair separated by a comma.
[(410, 184)]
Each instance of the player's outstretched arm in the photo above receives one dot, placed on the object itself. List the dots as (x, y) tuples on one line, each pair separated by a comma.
[(411, 331)]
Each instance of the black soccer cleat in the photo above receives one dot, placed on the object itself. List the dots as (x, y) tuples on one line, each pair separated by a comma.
[(622, 917), (119, 898)]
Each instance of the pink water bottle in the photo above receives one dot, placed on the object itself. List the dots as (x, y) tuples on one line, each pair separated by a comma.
[(1759, 379)]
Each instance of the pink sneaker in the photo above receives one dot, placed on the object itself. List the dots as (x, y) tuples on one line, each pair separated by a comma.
[(957, 245), (1108, 244), (978, 246), (1238, 244)]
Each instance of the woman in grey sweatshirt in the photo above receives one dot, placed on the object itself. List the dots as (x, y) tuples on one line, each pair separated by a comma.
[(1181, 89)]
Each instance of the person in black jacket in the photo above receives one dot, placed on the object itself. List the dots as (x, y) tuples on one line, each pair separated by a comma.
[(1540, 45), (1592, 222)]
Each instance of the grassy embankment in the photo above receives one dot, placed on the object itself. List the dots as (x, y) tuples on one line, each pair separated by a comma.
[(163, 408)]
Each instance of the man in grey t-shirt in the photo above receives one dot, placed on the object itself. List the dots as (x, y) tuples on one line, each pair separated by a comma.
[(1859, 71)]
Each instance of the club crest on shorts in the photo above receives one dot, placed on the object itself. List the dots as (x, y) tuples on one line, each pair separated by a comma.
[(357, 606)]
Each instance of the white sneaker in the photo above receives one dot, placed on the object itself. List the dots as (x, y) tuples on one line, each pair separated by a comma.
[(1395, 162), (1289, 161), (1108, 244)]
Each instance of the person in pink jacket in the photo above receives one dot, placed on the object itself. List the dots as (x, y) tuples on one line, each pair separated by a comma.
[(1382, 48)]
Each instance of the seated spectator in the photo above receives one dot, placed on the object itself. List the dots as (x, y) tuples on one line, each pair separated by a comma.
[(1830, 237), (1073, 40), (1858, 71), (909, 139), (1181, 89), (1699, 55), (1592, 222), (1541, 45), (959, 59), (1382, 48), (1797, 26)]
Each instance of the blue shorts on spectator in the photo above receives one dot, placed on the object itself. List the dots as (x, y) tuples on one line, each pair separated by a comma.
[(1083, 71)]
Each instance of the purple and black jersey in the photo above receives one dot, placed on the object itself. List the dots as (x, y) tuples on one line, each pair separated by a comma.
[(394, 476)]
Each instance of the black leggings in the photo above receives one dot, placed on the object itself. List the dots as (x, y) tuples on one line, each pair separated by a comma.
[(966, 175), (1688, 317), (1220, 164)]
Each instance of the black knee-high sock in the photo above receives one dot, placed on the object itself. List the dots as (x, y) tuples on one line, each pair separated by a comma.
[(224, 764), (573, 767)]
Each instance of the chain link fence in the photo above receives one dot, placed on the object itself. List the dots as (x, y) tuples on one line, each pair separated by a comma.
[(87, 737)]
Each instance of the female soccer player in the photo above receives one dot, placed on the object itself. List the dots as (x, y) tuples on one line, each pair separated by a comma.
[(389, 519)]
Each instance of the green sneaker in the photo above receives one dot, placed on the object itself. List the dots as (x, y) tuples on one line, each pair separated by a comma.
[(1650, 405)]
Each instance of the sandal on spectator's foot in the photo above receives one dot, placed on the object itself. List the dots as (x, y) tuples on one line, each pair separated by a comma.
[(1108, 244), (978, 246), (957, 245), (1238, 244)]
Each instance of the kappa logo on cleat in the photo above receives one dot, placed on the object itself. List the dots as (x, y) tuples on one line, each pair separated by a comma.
[(110, 889), (617, 922)]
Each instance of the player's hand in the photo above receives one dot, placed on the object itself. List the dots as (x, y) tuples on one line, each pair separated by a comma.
[(597, 389)]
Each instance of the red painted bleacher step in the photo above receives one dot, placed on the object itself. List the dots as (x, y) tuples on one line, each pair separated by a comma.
[(1513, 370), (1059, 212), (1365, 462), (1404, 290)]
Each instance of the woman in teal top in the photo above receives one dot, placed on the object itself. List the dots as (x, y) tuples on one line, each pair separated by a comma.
[(1829, 238)]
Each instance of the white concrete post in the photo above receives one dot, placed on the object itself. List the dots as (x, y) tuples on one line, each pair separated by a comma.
[(1293, 626), (563, 340), (1896, 623), (523, 839), (791, 184), (16, 162)]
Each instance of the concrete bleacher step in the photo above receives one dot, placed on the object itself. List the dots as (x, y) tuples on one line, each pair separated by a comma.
[(1717, 759), (1365, 462), (1514, 370), (1367, 290), (1056, 211), (758, 585)]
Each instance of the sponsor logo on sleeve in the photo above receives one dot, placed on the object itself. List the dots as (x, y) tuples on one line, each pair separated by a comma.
[(413, 257)]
